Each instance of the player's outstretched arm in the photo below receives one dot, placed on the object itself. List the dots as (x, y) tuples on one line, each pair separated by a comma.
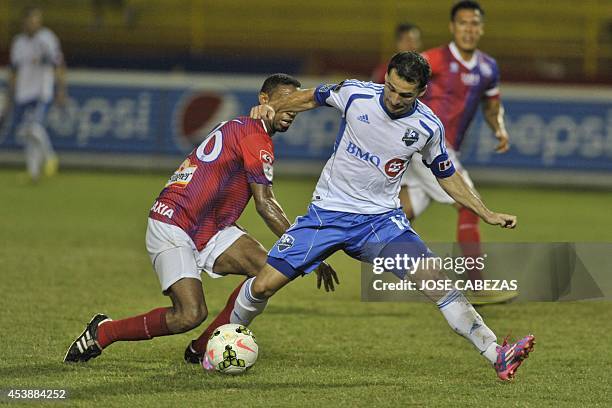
[(299, 101), (459, 190)]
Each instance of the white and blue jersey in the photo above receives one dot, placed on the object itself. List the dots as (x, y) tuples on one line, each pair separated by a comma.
[(34, 59), (355, 205), (373, 149)]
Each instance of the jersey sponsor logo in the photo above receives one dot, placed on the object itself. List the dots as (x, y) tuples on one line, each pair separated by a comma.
[(183, 175), (411, 136), (363, 118), (356, 151), (162, 209), (486, 70), (470, 79), (395, 167), (285, 242), (267, 159)]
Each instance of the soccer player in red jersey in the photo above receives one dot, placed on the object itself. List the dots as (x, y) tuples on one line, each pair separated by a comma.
[(191, 227), (407, 38), (462, 78)]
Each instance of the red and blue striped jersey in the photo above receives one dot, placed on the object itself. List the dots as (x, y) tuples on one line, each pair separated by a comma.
[(457, 87), (210, 189)]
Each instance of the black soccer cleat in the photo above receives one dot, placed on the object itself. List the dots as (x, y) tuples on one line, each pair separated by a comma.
[(85, 347), (191, 356)]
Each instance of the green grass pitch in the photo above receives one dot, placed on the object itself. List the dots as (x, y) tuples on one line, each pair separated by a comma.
[(74, 245)]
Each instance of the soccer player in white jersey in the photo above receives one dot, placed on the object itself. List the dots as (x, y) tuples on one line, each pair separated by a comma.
[(355, 206), (36, 75)]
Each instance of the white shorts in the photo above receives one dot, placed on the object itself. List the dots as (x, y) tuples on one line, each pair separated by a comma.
[(423, 185), (175, 256)]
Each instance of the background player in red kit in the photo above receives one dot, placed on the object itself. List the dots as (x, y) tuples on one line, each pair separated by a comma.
[(462, 78), (191, 226)]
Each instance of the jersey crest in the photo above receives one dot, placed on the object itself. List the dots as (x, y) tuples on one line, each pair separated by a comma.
[(410, 137)]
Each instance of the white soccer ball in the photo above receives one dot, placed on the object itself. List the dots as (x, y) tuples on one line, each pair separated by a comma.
[(232, 349)]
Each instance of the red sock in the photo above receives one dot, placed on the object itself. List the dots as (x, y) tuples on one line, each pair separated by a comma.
[(143, 327), (468, 236), (199, 344)]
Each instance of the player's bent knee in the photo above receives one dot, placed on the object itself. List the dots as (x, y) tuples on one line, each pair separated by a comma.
[(262, 289), (269, 281)]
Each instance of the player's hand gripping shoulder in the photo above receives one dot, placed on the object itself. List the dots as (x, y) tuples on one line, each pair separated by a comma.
[(327, 275)]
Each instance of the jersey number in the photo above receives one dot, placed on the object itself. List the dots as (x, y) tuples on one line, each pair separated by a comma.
[(401, 221), (217, 146)]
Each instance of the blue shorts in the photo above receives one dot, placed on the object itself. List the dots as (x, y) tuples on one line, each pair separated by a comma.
[(33, 112), (320, 233)]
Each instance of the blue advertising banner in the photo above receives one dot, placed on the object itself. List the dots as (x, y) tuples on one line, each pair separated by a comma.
[(143, 120), (547, 132)]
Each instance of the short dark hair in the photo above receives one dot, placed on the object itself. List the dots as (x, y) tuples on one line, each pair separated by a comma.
[(465, 4), (404, 28), (275, 80), (29, 10), (412, 67)]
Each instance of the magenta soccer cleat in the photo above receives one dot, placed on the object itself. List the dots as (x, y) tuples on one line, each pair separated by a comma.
[(511, 356), (206, 363)]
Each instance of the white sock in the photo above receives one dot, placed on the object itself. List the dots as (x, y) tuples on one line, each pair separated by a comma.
[(34, 155), (491, 353), (464, 319), (247, 307), (40, 133)]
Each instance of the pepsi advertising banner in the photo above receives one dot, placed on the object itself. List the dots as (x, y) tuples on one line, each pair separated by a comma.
[(546, 133), (549, 129)]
